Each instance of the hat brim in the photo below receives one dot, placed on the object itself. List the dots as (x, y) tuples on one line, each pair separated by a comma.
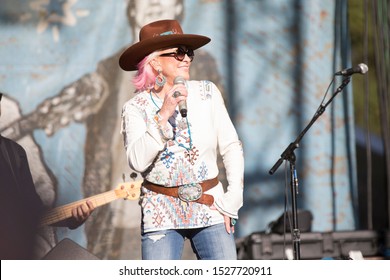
[(130, 58)]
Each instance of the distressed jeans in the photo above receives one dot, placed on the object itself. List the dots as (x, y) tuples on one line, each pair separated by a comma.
[(210, 243)]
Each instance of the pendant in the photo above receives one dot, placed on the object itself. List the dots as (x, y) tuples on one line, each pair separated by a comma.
[(192, 155)]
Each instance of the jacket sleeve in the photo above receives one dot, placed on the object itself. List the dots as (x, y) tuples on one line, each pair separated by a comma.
[(143, 137), (233, 158)]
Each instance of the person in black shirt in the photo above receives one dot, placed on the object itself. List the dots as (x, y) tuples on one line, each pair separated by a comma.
[(20, 206)]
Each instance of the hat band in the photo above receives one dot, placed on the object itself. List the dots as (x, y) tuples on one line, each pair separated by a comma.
[(166, 33)]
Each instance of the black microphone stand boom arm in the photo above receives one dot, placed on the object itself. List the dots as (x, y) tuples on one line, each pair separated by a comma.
[(289, 155)]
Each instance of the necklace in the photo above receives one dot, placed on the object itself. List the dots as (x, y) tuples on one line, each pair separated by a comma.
[(189, 136), (151, 97), (188, 149)]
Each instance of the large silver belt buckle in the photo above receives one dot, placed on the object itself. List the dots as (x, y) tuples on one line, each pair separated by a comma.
[(190, 192)]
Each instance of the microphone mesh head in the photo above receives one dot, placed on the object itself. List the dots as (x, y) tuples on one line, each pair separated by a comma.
[(179, 80), (363, 68)]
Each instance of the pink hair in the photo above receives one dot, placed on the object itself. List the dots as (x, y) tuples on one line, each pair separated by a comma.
[(146, 76)]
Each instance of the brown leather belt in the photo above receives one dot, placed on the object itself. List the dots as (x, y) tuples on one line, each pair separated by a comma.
[(191, 192)]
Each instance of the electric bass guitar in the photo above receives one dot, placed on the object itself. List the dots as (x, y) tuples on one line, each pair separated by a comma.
[(127, 190)]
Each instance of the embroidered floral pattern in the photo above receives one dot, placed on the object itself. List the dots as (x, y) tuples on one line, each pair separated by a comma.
[(205, 88), (181, 173), (158, 177), (182, 161), (202, 172), (167, 158)]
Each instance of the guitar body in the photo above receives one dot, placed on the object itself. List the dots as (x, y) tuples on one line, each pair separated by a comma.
[(126, 190)]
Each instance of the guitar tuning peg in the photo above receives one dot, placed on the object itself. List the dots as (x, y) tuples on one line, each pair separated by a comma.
[(133, 175)]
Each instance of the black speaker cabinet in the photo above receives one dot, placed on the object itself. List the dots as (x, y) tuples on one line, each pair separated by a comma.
[(67, 249)]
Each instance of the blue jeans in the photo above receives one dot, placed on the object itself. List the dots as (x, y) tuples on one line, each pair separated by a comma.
[(210, 243)]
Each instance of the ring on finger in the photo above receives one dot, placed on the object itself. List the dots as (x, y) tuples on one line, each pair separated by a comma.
[(176, 94)]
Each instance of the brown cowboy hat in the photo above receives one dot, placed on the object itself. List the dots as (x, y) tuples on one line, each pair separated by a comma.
[(158, 35)]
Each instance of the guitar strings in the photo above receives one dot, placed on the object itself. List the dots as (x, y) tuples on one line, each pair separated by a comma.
[(63, 212)]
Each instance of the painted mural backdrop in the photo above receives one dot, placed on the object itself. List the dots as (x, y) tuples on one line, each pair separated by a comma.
[(273, 61)]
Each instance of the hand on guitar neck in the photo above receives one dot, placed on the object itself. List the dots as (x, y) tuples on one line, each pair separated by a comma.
[(74, 214), (79, 214)]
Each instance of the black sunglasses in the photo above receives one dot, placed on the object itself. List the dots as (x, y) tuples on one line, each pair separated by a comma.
[(180, 54)]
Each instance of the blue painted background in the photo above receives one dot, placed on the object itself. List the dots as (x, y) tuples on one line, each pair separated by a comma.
[(275, 60)]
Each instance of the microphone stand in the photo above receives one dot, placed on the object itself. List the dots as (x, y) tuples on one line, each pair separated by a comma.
[(289, 155)]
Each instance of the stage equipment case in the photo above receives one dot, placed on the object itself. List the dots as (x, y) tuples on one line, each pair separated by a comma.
[(313, 245)]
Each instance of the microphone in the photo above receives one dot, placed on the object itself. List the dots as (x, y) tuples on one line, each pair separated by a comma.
[(360, 68), (182, 104)]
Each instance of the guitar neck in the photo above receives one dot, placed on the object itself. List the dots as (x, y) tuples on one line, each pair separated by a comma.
[(64, 212)]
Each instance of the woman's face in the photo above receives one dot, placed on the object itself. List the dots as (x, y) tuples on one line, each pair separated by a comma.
[(171, 64)]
